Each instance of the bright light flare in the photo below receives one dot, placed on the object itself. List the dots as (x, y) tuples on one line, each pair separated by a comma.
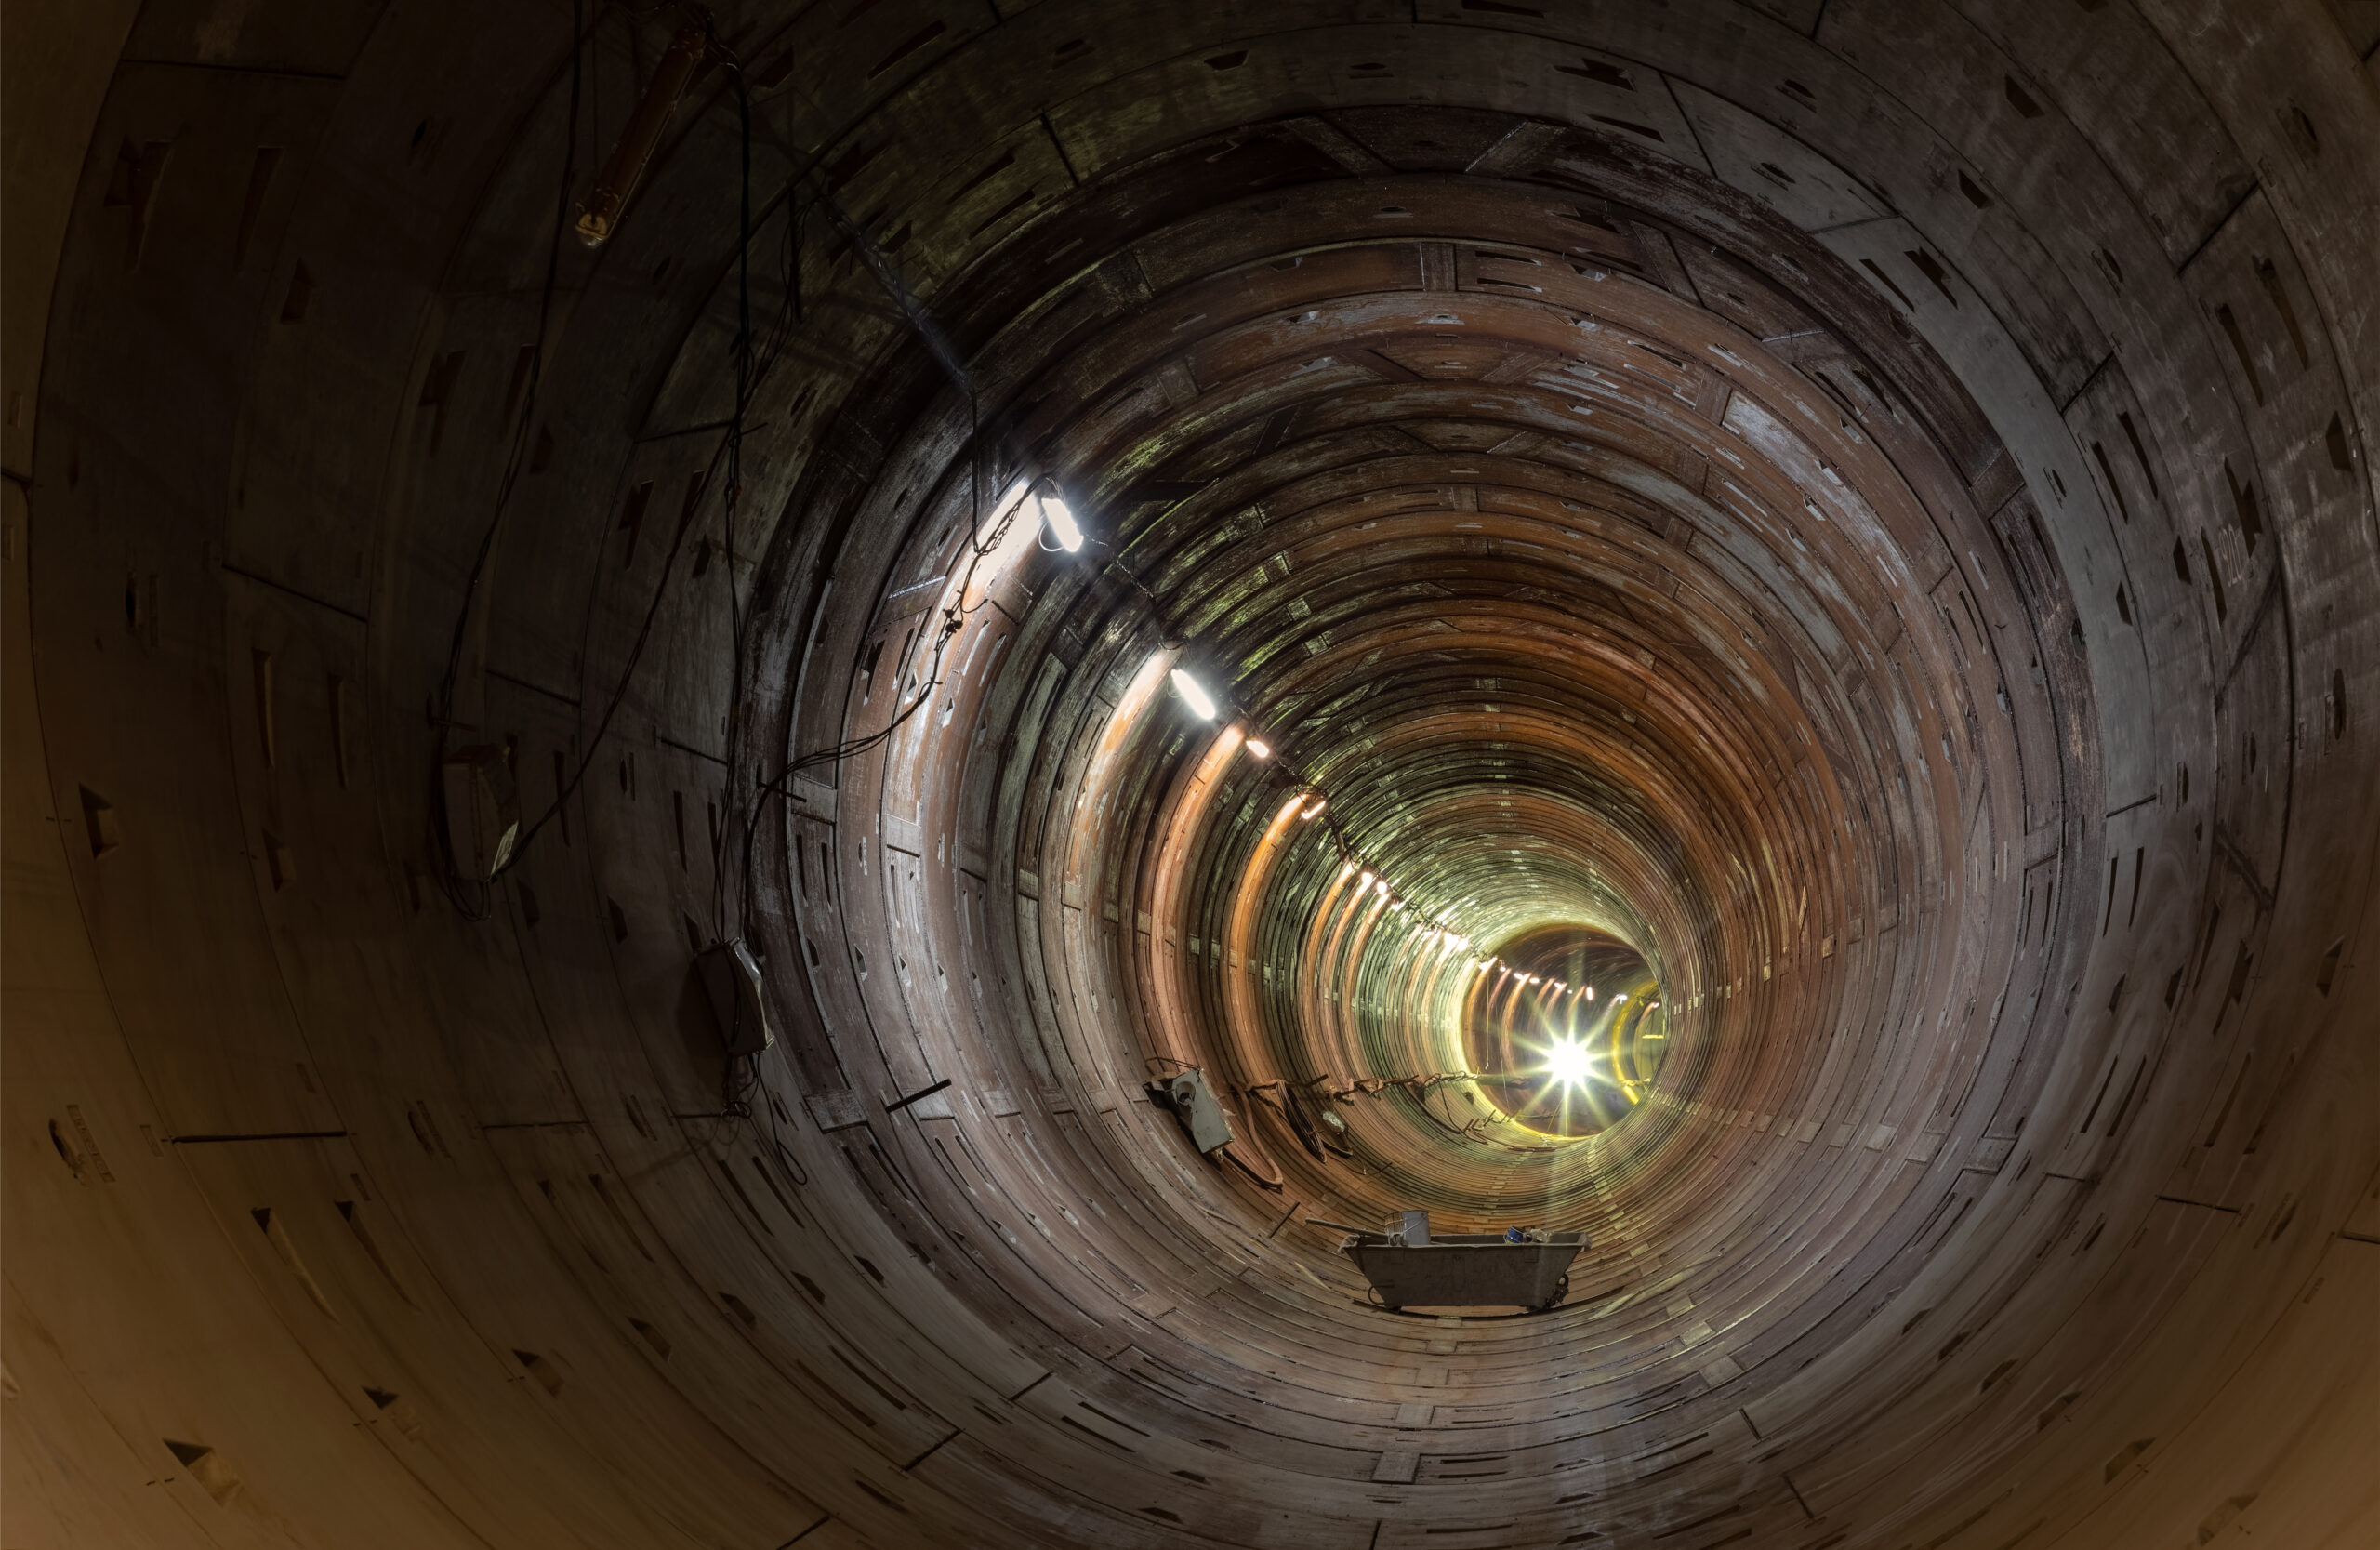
[(1194, 694), (1060, 521), (1261, 750), (1315, 810), (1567, 1062)]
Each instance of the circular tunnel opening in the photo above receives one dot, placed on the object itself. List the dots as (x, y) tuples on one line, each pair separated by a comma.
[(1763, 596), (1565, 1032)]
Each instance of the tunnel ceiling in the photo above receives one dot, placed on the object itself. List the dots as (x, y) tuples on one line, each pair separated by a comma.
[(1822, 554)]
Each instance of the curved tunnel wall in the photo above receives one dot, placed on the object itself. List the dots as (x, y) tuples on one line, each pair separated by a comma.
[(1871, 506)]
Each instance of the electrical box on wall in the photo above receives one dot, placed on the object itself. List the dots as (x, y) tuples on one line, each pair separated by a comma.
[(482, 812), (732, 978), (1194, 1103)]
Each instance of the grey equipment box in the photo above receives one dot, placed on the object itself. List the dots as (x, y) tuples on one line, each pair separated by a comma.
[(1458, 1270), (730, 977), (1193, 1102)]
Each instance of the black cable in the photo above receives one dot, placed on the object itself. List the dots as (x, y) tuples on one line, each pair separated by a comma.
[(785, 1159), (1116, 564), (751, 373), (513, 460), (980, 545), (735, 1098), (619, 691), (732, 498), (776, 786)]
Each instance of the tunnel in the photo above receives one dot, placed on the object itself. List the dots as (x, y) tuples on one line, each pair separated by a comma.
[(770, 765)]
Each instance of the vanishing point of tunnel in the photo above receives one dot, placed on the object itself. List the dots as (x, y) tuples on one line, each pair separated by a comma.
[(1333, 774)]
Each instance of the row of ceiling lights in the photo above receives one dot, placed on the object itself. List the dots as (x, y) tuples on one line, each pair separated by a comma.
[(1058, 520)]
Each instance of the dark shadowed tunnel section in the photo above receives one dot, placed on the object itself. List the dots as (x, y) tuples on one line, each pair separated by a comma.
[(1753, 631)]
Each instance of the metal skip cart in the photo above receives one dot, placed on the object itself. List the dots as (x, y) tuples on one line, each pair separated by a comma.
[(1410, 1267)]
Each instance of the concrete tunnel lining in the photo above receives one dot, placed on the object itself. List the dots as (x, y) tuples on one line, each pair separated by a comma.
[(1869, 504)]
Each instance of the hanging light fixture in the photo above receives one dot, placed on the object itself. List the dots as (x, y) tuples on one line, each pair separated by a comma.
[(1194, 693), (640, 134), (1060, 521)]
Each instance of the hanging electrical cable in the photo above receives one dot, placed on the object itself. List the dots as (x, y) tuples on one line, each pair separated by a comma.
[(515, 455), (732, 496), (752, 371)]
